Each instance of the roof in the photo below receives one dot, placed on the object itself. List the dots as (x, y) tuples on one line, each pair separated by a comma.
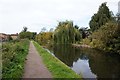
[(13, 34)]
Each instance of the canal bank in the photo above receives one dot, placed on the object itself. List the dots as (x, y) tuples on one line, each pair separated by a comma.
[(55, 66), (81, 46)]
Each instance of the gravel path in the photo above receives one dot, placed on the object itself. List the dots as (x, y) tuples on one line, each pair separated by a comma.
[(34, 67)]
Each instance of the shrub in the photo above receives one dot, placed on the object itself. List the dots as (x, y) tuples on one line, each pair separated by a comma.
[(13, 57)]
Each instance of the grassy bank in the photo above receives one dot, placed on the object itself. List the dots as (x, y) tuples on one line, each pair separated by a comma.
[(13, 57), (55, 66)]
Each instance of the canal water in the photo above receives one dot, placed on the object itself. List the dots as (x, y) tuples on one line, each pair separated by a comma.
[(90, 63)]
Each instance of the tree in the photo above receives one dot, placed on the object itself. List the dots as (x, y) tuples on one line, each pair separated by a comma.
[(85, 32), (24, 35), (24, 29), (76, 27), (118, 18), (100, 18), (43, 29), (107, 37), (51, 30), (33, 35), (66, 33), (44, 38)]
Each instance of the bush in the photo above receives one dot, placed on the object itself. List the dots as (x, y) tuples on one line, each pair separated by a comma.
[(86, 41), (105, 38), (13, 57)]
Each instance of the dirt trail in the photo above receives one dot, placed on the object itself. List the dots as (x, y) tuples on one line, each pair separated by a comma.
[(34, 67)]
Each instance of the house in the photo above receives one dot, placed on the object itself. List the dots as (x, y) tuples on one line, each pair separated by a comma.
[(3, 37), (14, 36)]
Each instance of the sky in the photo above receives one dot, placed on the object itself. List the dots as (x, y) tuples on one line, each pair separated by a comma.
[(36, 14)]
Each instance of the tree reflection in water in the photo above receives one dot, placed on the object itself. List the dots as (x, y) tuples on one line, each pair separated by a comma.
[(90, 63)]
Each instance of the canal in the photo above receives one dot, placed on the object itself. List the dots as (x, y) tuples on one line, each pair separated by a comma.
[(90, 63)]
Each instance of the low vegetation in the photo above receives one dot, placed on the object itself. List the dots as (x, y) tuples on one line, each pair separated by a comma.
[(13, 58), (55, 66)]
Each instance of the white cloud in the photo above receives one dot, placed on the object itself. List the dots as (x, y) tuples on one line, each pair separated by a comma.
[(35, 14)]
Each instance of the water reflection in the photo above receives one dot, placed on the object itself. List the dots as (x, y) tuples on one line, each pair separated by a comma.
[(82, 66), (89, 62)]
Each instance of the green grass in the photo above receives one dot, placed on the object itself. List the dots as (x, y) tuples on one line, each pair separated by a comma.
[(13, 58), (55, 66)]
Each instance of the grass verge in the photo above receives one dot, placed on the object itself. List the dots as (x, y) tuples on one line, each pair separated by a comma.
[(55, 66), (13, 58)]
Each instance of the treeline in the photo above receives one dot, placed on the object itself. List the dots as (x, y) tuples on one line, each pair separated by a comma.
[(103, 33), (65, 33), (26, 34)]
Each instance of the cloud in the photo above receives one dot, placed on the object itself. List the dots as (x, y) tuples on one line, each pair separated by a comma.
[(35, 14)]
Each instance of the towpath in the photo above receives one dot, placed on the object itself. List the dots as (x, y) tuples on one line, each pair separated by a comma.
[(34, 67)]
